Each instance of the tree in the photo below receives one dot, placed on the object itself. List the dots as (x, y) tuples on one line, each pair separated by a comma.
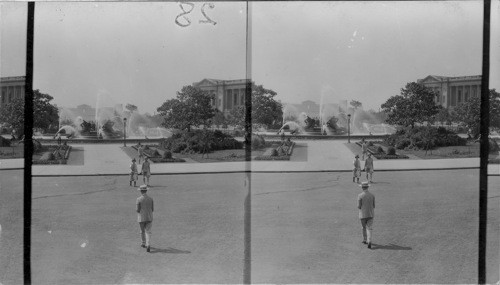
[(494, 109), (414, 105), (13, 114), (219, 119), (265, 109), (190, 108), (45, 113), (468, 113), (355, 104), (236, 117), (131, 108), (443, 116)]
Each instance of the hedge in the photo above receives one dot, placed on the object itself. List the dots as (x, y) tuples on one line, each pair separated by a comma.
[(424, 138)]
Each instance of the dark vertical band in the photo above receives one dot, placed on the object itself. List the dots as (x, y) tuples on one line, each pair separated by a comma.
[(28, 143), (247, 263), (484, 150)]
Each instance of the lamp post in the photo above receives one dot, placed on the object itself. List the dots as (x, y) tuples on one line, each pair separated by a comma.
[(348, 128), (124, 131)]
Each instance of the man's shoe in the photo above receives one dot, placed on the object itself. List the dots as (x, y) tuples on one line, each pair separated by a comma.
[(148, 249), (142, 245), (364, 242), (369, 245)]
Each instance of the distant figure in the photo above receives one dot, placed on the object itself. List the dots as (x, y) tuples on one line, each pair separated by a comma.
[(144, 208), (133, 173), (364, 148), (13, 135), (366, 206), (146, 171), (356, 172), (58, 137), (369, 168), (282, 135), (140, 152)]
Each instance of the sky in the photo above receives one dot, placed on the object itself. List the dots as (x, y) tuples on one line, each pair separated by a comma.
[(119, 53)]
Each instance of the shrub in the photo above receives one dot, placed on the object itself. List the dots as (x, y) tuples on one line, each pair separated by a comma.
[(380, 150), (391, 151), (424, 138), (403, 143), (4, 142), (493, 146), (257, 141), (37, 146), (370, 143), (47, 156), (270, 152), (167, 154), (200, 140)]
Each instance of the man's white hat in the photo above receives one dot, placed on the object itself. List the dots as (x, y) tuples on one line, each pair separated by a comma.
[(364, 185), (143, 188)]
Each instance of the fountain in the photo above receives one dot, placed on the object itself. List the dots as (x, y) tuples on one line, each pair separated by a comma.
[(69, 131), (109, 121), (294, 127)]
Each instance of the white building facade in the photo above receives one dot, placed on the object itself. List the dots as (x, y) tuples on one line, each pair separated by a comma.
[(228, 94), (453, 90), (11, 88)]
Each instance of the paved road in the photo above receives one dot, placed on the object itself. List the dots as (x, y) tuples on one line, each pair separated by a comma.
[(11, 227), (304, 229)]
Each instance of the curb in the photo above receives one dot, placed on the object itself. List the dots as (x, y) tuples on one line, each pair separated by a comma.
[(257, 171)]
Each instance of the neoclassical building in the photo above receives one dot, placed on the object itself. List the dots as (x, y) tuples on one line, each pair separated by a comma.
[(453, 90), (11, 88), (228, 94)]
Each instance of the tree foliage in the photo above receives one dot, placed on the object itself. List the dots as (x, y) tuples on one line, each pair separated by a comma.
[(236, 117), (190, 108), (355, 104), (444, 116), (13, 115), (414, 105), (131, 108), (44, 112), (468, 113), (219, 119), (265, 109), (494, 109)]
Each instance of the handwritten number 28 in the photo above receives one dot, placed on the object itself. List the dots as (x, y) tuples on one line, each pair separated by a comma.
[(186, 21)]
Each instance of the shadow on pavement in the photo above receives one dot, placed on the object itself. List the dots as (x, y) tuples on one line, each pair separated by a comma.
[(379, 182), (167, 250), (390, 247)]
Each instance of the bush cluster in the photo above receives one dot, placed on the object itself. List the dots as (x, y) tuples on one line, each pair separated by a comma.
[(391, 151), (198, 141), (493, 146), (4, 142), (258, 141), (424, 138)]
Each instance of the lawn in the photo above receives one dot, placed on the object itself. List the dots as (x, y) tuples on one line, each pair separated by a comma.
[(221, 155), (16, 151), (227, 155), (469, 150)]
